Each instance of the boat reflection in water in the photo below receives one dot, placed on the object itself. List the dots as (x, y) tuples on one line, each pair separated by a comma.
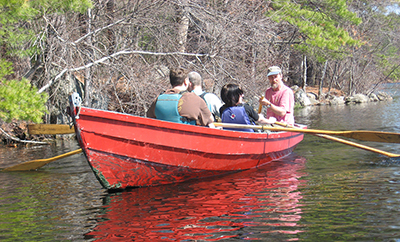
[(255, 204)]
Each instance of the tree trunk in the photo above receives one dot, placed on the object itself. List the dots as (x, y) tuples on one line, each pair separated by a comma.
[(304, 73), (88, 76), (110, 31), (351, 81), (183, 27), (334, 77), (321, 82)]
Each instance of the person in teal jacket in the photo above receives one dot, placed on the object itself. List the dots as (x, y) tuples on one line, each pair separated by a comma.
[(178, 105)]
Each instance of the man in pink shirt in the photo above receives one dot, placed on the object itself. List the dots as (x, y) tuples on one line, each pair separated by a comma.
[(279, 98)]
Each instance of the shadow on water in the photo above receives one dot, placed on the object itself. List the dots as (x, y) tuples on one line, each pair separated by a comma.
[(255, 204)]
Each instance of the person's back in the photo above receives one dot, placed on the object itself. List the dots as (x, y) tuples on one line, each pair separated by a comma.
[(236, 115), (167, 107), (178, 105)]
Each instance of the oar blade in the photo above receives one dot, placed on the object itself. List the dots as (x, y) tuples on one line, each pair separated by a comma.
[(364, 147), (36, 164), (50, 129), (28, 166), (374, 136)]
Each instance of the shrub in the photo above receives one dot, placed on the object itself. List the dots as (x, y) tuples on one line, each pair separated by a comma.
[(20, 100)]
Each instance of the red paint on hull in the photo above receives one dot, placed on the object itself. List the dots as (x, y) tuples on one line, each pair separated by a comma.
[(130, 151)]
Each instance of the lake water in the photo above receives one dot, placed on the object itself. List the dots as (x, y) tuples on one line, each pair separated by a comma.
[(324, 191)]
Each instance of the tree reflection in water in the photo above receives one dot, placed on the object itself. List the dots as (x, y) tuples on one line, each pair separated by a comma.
[(254, 204)]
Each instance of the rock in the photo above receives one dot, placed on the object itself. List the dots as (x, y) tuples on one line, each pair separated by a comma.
[(358, 98), (336, 101), (373, 97), (301, 97), (312, 96), (382, 96)]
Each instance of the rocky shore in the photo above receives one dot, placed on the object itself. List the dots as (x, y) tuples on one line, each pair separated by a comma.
[(335, 97)]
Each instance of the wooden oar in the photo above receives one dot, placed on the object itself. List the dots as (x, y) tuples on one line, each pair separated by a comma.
[(392, 155), (347, 142), (260, 105), (375, 136), (36, 164), (242, 126), (50, 129)]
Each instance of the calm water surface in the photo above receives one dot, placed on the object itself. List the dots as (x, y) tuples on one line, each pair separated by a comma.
[(325, 191)]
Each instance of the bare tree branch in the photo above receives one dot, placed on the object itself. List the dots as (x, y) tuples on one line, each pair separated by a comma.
[(124, 52)]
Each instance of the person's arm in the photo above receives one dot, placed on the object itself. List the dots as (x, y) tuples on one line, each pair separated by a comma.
[(251, 113), (215, 103), (258, 117), (151, 112), (205, 117), (278, 110), (194, 107)]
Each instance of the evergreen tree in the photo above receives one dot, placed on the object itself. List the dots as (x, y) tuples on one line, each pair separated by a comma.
[(321, 25), (19, 99)]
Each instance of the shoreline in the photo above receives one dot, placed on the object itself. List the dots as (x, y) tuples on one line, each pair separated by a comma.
[(16, 133)]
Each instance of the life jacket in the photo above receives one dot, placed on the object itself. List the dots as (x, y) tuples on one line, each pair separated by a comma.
[(236, 115), (167, 109)]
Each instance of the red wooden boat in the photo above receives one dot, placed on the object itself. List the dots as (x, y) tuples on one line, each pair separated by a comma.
[(130, 151)]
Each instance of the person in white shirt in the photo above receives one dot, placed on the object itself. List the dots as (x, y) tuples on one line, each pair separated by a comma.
[(213, 102)]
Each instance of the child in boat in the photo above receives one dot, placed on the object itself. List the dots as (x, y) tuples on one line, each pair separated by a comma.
[(235, 110)]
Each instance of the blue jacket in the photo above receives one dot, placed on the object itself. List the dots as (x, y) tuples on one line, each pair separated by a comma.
[(236, 115)]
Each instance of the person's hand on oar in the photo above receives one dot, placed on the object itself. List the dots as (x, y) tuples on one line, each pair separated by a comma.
[(270, 120), (260, 105)]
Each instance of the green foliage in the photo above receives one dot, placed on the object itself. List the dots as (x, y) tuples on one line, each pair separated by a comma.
[(5, 68), (389, 65), (297, 106), (63, 6), (321, 25), (20, 100), (15, 17), (386, 51)]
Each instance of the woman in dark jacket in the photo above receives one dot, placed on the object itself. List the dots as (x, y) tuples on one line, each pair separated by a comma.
[(236, 111)]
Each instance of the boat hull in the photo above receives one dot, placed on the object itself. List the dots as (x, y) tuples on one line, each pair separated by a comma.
[(131, 151)]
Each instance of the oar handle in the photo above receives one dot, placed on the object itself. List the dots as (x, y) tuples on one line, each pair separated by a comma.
[(260, 105)]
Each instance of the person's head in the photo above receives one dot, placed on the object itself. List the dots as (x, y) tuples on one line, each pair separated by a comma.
[(275, 77), (195, 78), (177, 76), (231, 94)]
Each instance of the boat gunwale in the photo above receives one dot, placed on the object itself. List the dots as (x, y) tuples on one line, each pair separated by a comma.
[(187, 128)]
